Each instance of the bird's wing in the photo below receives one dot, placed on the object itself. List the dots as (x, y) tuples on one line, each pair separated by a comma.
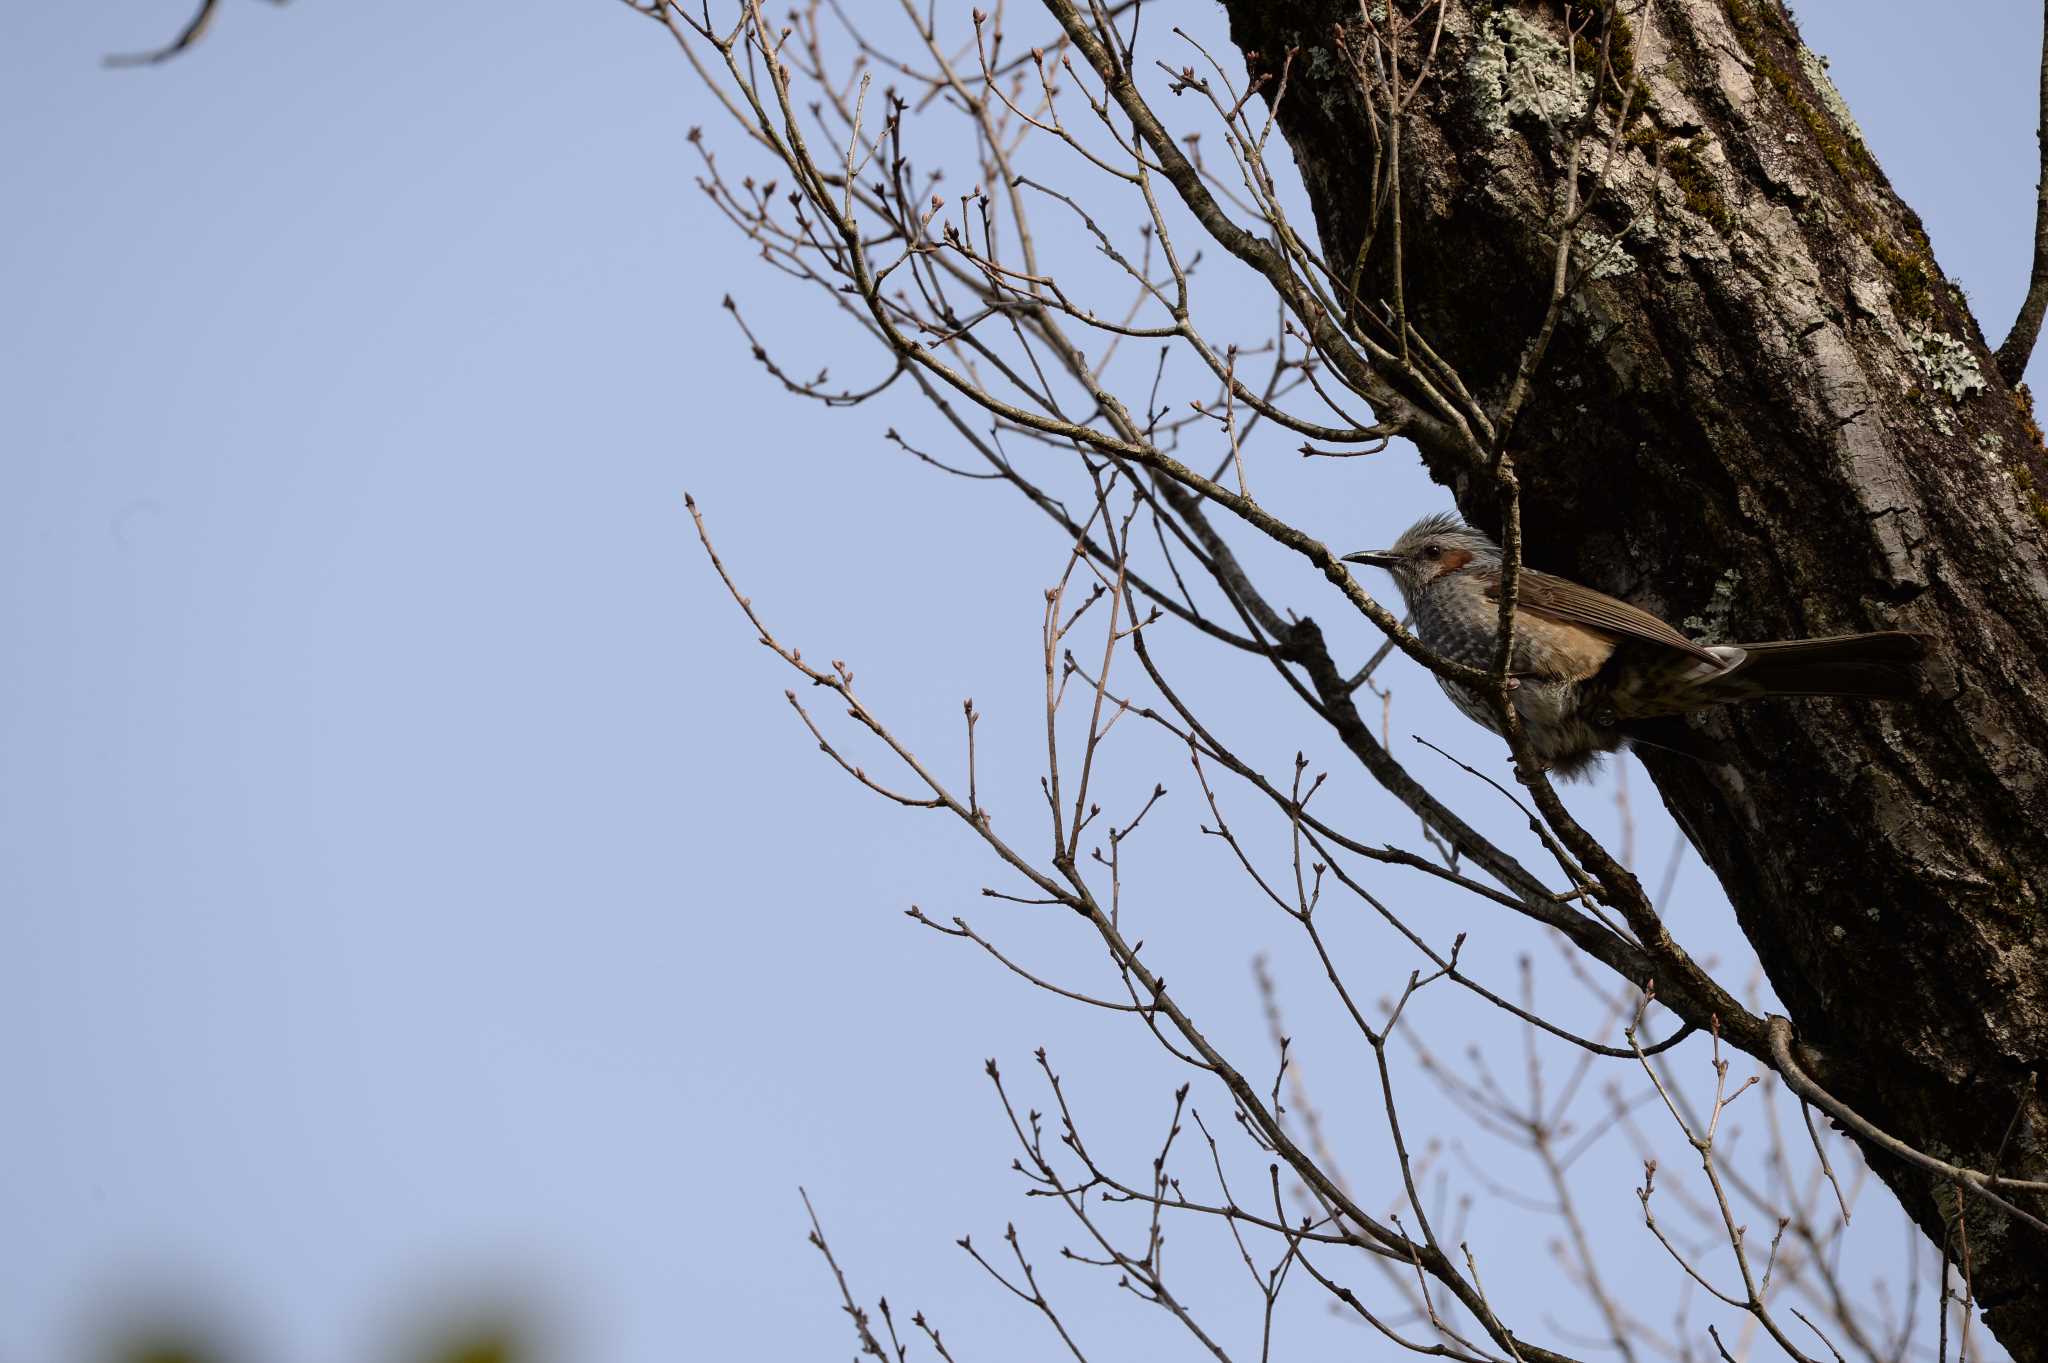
[(1558, 599)]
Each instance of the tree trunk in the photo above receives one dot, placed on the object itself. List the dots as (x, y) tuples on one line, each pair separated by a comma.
[(1768, 414)]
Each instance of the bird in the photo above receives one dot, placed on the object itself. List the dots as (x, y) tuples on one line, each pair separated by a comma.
[(1589, 673)]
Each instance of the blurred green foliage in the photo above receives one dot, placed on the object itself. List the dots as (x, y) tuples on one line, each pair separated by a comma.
[(487, 1341)]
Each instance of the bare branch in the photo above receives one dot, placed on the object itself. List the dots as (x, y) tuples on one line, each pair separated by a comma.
[(2018, 346), (194, 30)]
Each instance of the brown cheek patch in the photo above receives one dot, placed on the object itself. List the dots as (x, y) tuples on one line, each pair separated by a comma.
[(1455, 559)]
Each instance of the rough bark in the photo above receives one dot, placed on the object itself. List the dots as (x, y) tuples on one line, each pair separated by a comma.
[(1770, 416)]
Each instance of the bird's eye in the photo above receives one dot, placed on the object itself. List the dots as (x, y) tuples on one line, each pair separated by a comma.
[(1432, 551)]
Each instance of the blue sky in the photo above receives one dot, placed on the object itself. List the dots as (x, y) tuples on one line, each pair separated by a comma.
[(416, 890)]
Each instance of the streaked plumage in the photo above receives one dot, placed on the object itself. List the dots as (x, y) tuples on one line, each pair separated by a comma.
[(1592, 671)]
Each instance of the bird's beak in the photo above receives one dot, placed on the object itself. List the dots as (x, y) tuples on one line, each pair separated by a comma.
[(1378, 558)]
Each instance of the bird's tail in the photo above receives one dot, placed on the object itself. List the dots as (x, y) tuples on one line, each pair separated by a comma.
[(1882, 666)]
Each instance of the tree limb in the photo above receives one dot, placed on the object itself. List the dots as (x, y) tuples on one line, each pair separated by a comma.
[(2026, 328)]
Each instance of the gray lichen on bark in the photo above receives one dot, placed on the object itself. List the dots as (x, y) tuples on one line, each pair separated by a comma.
[(1519, 73)]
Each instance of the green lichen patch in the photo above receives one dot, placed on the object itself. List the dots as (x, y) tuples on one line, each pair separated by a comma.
[(1816, 69), (1518, 73), (1603, 256), (1948, 366), (1711, 624)]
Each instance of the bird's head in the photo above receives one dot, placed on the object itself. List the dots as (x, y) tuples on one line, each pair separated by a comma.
[(1431, 547)]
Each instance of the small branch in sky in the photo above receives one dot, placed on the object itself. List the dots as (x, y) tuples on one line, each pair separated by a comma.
[(192, 33)]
